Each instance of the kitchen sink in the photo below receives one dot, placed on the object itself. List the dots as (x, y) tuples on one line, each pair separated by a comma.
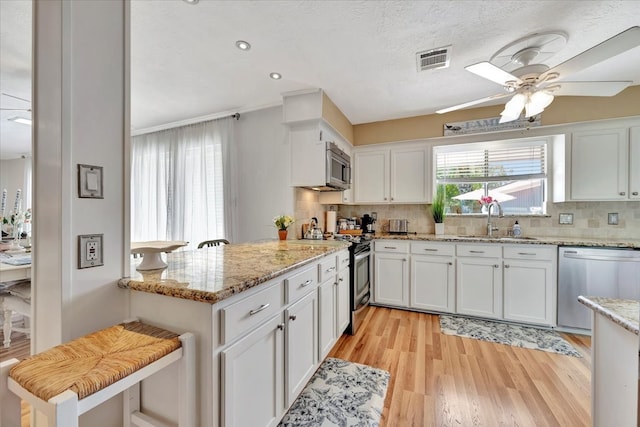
[(515, 239)]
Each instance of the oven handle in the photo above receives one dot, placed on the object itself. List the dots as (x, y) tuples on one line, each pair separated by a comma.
[(362, 255)]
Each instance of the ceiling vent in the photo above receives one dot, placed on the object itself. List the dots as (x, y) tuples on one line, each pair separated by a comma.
[(434, 58)]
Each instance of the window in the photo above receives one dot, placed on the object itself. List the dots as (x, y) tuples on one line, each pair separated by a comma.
[(511, 172)]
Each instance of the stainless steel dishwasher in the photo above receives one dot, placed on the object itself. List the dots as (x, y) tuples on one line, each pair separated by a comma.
[(603, 272)]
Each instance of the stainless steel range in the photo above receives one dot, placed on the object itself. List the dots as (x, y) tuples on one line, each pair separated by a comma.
[(360, 279)]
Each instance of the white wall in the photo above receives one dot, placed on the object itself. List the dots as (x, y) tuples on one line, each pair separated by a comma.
[(12, 178), (263, 174), (81, 105)]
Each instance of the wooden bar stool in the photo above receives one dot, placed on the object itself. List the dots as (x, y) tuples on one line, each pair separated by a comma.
[(72, 378)]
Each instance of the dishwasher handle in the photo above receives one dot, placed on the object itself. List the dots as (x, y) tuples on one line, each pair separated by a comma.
[(575, 255)]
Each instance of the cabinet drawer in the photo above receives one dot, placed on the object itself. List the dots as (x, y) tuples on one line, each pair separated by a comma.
[(241, 316), (327, 269), (393, 246), (484, 251), (530, 252), (343, 260), (432, 249), (301, 283)]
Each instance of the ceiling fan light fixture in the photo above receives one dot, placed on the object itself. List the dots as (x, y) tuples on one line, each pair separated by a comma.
[(537, 102), (243, 45)]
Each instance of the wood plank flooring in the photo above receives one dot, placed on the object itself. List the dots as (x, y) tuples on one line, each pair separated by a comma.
[(449, 381)]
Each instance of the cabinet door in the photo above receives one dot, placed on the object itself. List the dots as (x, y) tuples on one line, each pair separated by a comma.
[(301, 344), (634, 163), (479, 287), (433, 283), (391, 279), (253, 372), (599, 165), (327, 317), (342, 302), (308, 156), (410, 175), (529, 291), (371, 176)]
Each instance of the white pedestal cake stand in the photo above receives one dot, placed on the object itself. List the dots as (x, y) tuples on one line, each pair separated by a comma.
[(151, 252)]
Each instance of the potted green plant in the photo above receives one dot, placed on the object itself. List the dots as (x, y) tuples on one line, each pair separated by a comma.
[(437, 210), (282, 223)]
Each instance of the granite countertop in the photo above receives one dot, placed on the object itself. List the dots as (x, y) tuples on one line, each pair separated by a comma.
[(624, 312), (213, 274), (533, 240)]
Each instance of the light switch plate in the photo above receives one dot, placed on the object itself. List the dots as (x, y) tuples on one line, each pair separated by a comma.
[(565, 218), (90, 250), (90, 182), (612, 218)]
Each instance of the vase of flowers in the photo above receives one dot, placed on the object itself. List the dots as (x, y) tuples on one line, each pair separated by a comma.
[(485, 201), (282, 223), (437, 210)]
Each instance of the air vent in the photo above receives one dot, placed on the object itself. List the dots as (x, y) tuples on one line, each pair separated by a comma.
[(434, 58)]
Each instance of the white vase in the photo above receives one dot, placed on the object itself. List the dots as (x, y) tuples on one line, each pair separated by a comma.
[(439, 228)]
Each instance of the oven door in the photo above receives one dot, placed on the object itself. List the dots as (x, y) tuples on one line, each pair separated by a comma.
[(361, 280)]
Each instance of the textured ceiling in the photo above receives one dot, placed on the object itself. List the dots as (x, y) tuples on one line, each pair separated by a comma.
[(362, 53)]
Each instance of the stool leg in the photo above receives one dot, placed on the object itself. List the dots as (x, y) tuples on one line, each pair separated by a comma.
[(9, 402), (6, 328), (66, 409), (131, 397), (187, 378)]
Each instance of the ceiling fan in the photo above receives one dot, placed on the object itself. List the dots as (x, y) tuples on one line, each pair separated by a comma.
[(18, 98), (532, 87)]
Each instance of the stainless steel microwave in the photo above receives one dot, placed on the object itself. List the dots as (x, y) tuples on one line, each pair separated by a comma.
[(338, 168)]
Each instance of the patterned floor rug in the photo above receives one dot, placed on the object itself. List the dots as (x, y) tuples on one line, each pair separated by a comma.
[(502, 333), (340, 393)]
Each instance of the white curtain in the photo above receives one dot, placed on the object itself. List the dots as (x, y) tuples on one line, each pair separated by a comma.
[(182, 183)]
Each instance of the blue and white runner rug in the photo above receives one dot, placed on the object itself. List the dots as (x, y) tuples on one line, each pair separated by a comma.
[(340, 393), (504, 333)]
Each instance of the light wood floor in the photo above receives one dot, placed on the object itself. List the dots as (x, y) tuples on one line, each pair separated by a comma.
[(449, 381)]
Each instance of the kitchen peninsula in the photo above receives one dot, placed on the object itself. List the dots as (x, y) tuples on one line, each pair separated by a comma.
[(614, 361), (258, 314)]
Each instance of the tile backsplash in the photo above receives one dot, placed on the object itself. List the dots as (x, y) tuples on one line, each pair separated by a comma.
[(590, 220)]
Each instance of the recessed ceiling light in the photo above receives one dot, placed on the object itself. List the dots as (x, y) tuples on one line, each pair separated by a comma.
[(243, 45), (191, 1), (21, 120), (275, 76)]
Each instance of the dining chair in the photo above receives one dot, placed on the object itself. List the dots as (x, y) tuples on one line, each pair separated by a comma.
[(209, 243)]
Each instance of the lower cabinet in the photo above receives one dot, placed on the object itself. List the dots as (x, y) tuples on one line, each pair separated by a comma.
[(301, 344), (433, 277), (252, 377), (327, 318), (391, 273), (343, 309), (479, 287)]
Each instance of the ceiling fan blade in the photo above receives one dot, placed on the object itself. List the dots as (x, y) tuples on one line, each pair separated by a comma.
[(15, 109), (616, 45), (15, 97), (476, 102), (491, 72), (589, 88)]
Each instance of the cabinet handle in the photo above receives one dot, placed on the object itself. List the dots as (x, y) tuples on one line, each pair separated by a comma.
[(345, 260), (329, 269), (341, 279), (506, 266), (292, 317), (635, 193), (622, 193), (385, 198), (476, 252), (431, 250), (259, 309), (392, 198), (525, 253), (281, 326), (390, 247), (496, 265), (404, 260), (335, 283), (307, 283), (450, 263)]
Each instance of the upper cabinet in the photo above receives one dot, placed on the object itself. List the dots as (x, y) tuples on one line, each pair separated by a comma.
[(302, 106), (634, 163), (392, 175)]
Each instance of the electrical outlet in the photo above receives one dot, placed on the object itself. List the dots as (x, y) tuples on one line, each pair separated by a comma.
[(90, 250)]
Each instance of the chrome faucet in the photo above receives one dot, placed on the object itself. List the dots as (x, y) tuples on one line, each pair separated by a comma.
[(490, 227)]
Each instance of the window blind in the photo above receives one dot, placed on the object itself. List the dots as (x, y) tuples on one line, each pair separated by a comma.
[(475, 163)]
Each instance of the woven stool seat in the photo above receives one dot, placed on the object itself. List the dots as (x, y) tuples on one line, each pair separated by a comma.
[(90, 363)]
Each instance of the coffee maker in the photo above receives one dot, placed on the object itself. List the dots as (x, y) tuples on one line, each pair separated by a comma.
[(368, 223)]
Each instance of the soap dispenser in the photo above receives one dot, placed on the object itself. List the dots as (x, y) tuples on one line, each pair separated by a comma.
[(516, 230)]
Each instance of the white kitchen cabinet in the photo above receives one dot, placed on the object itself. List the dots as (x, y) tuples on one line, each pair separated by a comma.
[(301, 345), (600, 165), (530, 284), (479, 281), (634, 163), (391, 273), (327, 318), (432, 281), (252, 373), (342, 301), (393, 175)]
